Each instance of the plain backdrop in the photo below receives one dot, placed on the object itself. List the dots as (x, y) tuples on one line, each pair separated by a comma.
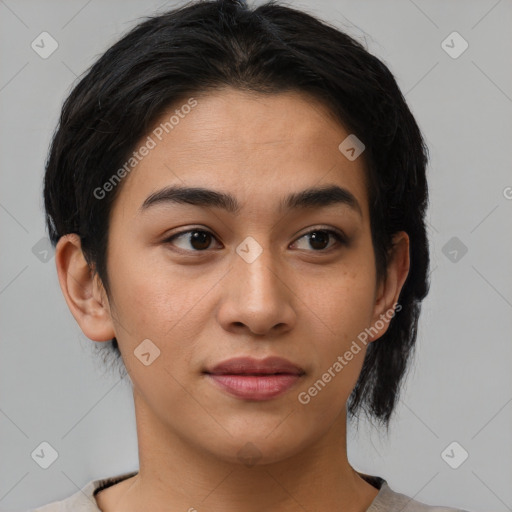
[(459, 388)]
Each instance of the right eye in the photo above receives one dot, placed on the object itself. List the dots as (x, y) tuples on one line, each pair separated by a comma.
[(198, 239)]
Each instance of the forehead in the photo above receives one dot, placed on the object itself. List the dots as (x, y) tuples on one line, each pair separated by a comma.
[(256, 146)]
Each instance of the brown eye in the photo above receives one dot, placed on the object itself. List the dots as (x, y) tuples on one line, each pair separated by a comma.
[(319, 239), (197, 239)]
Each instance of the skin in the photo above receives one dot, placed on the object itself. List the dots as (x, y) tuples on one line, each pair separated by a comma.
[(200, 308)]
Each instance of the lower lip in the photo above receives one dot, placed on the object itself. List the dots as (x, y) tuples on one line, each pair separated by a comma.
[(256, 387)]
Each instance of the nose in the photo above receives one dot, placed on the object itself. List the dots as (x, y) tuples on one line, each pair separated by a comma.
[(256, 297)]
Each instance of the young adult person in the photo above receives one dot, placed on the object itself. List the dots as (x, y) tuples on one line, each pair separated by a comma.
[(237, 199)]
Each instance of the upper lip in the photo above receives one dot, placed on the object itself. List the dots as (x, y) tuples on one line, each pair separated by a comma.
[(252, 366)]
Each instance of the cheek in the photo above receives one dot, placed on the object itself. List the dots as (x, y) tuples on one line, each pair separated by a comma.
[(343, 309), (164, 306), (345, 301)]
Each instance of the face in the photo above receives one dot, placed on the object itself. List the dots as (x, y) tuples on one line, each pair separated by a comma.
[(275, 277)]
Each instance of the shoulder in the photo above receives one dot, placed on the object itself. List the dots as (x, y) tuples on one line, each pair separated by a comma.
[(83, 500), (388, 500)]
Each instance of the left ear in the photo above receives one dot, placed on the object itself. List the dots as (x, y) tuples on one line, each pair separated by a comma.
[(390, 285)]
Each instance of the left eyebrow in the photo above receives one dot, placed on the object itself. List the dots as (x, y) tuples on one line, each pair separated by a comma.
[(320, 197)]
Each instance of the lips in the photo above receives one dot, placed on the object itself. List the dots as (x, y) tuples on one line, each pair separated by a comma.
[(252, 379), (251, 366)]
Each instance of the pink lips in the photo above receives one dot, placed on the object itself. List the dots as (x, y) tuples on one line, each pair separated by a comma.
[(253, 379)]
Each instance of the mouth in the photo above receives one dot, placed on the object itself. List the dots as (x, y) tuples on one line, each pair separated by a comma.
[(251, 379)]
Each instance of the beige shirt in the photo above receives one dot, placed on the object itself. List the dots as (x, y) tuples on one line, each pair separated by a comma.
[(386, 500)]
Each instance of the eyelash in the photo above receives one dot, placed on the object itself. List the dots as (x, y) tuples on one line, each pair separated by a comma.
[(339, 236)]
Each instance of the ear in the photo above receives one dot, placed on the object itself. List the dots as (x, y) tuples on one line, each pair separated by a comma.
[(83, 290), (390, 286)]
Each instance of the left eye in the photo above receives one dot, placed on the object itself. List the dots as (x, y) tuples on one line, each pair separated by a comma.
[(319, 238), (200, 240)]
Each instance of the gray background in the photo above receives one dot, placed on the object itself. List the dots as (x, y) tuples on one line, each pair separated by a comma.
[(459, 387)]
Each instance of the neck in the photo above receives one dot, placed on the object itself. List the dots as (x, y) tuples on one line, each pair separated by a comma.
[(172, 472)]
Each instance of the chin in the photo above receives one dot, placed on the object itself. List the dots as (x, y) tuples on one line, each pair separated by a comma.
[(258, 448)]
